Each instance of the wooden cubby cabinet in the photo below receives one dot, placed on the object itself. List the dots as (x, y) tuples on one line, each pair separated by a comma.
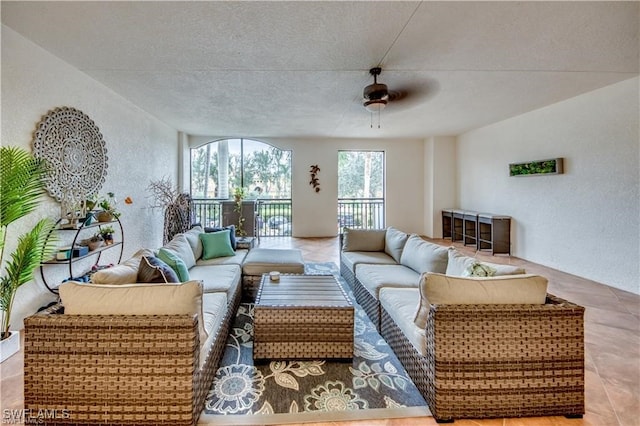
[(485, 231), (72, 237)]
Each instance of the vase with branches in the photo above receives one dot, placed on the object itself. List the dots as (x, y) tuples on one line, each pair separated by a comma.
[(175, 205), (21, 186)]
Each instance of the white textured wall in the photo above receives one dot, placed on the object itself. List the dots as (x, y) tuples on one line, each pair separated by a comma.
[(140, 148), (314, 214), (586, 221), (440, 180)]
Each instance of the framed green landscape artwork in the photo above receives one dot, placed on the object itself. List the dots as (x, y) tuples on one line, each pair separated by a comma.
[(538, 167)]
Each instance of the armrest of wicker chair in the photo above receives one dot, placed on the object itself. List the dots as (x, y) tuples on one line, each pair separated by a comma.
[(115, 369)]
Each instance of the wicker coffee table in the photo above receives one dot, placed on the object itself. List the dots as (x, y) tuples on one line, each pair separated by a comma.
[(302, 317)]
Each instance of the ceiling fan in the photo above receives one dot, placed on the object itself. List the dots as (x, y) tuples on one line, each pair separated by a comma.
[(377, 95)]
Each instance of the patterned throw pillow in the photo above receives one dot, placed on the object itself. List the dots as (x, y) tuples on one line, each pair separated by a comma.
[(154, 270), (477, 269)]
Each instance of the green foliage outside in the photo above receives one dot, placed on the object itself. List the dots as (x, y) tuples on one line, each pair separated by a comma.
[(360, 174), (261, 165)]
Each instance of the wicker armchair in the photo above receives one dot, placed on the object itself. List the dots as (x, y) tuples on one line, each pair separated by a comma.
[(118, 369), (488, 361)]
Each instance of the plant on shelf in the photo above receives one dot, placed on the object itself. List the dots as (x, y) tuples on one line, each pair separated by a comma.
[(109, 208), (21, 185), (238, 196), (107, 234)]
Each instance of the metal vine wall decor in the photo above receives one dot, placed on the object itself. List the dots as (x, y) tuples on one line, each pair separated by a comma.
[(315, 182), (75, 151)]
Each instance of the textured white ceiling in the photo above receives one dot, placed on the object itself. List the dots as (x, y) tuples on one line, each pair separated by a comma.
[(297, 69)]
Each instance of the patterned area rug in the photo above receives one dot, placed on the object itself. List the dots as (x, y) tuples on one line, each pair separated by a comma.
[(373, 385)]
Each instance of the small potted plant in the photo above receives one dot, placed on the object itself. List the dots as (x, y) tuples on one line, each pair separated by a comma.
[(107, 234), (109, 211)]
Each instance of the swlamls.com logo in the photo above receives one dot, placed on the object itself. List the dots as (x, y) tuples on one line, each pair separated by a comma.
[(33, 417)]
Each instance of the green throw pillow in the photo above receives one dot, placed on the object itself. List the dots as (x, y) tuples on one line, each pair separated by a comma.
[(174, 261), (216, 244)]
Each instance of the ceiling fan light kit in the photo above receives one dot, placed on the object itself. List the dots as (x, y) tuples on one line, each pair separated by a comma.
[(375, 95)]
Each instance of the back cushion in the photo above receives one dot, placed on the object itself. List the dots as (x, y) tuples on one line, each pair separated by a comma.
[(459, 264), (193, 237), (134, 299), (363, 239), (423, 256), (124, 273), (394, 242), (154, 270), (180, 246), (439, 289)]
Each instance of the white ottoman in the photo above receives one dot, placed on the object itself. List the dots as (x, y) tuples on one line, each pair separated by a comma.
[(262, 261)]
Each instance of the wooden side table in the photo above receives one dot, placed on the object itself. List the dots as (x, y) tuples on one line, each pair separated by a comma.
[(494, 233)]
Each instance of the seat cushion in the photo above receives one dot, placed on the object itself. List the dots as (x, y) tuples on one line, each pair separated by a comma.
[(261, 261), (214, 308), (220, 278), (401, 304), (236, 259), (353, 258), (374, 277)]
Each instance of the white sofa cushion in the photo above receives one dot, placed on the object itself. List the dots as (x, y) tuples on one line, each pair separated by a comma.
[(124, 273), (354, 258), (221, 278), (423, 256), (400, 304), (374, 277), (363, 239), (193, 237), (459, 264), (134, 299), (214, 308), (236, 259), (181, 247), (394, 242), (438, 289)]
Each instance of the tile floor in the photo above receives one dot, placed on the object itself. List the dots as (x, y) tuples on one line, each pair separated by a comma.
[(612, 346)]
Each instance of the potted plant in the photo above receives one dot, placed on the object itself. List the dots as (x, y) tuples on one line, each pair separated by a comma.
[(109, 211), (107, 234), (238, 195), (21, 185)]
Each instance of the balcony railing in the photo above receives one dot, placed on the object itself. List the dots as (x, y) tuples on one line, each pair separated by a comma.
[(274, 215), (364, 213)]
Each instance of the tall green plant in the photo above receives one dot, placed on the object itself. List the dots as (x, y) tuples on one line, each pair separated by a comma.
[(21, 185)]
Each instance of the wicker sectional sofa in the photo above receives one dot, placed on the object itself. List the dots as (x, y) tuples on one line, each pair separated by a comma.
[(133, 354), (475, 347)]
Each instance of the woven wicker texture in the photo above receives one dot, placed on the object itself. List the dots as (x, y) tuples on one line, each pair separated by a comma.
[(369, 303), (119, 369), (302, 317), (498, 360)]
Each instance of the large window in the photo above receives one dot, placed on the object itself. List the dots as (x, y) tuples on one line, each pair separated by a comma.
[(219, 167), (361, 189)]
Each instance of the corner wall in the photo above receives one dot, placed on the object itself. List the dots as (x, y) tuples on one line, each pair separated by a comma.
[(140, 149), (585, 221)]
